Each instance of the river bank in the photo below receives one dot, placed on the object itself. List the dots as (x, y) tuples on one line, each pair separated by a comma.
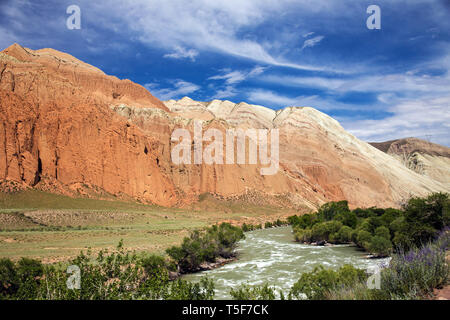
[(272, 256)]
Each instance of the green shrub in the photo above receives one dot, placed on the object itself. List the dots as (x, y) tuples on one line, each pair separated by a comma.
[(344, 235), (317, 284), (9, 280), (348, 218), (302, 235), (206, 246), (363, 238), (383, 232), (379, 246), (426, 216), (329, 210), (246, 292), (322, 231), (120, 275)]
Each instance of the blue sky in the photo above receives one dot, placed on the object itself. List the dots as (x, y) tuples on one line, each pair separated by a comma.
[(380, 84)]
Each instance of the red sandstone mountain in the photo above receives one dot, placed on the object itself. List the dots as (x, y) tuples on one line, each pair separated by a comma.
[(67, 127)]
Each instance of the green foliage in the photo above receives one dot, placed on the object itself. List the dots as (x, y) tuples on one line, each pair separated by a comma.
[(9, 281), (379, 246), (363, 238), (383, 232), (420, 221), (246, 292), (348, 218), (302, 235), (21, 280), (390, 215), (329, 210), (344, 235), (109, 275), (364, 213), (317, 284), (426, 216), (153, 264), (216, 241), (304, 221), (410, 275), (322, 231)]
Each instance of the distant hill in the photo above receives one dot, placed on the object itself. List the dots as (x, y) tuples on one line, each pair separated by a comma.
[(424, 157)]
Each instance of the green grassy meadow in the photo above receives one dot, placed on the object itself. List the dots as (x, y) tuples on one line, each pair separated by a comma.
[(56, 228)]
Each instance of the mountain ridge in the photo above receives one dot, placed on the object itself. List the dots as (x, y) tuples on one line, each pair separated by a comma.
[(68, 128)]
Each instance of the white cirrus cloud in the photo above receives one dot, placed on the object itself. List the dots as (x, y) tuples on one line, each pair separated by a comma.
[(422, 118), (225, 93), (311, 42), (203, 25), (178, 88), (182, 53), (236, 76)]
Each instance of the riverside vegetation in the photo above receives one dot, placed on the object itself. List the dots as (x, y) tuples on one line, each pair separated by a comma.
[(418, 236)]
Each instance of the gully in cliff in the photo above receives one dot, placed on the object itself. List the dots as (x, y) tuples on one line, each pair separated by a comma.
[(213, 153)]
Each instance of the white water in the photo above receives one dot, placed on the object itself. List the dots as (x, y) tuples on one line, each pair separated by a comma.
[(272, 256)]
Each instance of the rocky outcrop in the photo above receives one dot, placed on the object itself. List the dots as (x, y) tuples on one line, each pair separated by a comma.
[(57, 131), (426, 158), (67, 127)]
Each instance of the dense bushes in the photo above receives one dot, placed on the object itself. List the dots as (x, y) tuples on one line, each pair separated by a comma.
[(246, 292), (316, 284), (21, 280), (411, 274), (206, 246), (121, 274), (115, 275), (313, 285), (378, 231)]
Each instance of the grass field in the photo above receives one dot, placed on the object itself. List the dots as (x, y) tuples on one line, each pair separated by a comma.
[(55, 227)]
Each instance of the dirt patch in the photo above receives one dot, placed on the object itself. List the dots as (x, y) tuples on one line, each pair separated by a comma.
[(63, 218)]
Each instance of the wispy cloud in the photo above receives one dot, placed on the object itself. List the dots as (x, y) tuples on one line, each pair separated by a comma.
[(311, 42), (414, 118), (231, 78), (236, 76), (212, 26), (414, 81), (225, 93), (273, 99), (178, 89), (182, 53)]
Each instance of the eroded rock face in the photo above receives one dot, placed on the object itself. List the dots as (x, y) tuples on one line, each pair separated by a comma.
[(67, 127), (421, 156), (58, 132)]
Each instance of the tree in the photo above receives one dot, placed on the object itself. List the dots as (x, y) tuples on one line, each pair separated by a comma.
[(316, 284), (347, 218), (426, 216), (380, 246), (344, 235), (363, 238), (329, 210), (321, 231), (383, 232)]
